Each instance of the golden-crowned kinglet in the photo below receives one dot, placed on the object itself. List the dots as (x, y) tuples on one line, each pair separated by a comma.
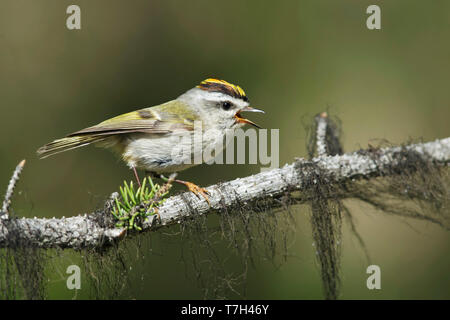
[(145, 138)]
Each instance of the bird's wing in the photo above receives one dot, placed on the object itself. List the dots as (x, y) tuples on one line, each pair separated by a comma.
[(163, 118)]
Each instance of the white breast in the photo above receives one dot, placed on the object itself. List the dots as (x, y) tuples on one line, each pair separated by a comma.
[(163, 153)]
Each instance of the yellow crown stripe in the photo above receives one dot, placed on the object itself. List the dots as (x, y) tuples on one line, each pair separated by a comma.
[(235, 87), (241, 92), (211, 80)]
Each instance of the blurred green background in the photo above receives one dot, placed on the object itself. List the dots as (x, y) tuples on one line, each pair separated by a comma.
[(293, 59)]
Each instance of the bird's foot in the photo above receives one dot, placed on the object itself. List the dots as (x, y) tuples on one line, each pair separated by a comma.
[(195, 189)]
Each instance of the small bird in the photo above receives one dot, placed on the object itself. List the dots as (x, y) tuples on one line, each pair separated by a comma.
[(145, 138)]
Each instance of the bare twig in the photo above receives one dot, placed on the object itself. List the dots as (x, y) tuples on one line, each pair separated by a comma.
[(321, 131), (10, 190)]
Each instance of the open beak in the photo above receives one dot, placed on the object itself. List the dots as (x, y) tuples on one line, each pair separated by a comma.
[(240, 119)]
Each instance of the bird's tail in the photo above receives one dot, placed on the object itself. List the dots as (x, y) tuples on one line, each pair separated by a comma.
[(68, 143)]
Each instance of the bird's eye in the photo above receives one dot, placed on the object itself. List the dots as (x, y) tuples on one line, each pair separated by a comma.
[(226, 105)]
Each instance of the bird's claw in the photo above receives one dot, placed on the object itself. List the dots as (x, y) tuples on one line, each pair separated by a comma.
[(195, 189)]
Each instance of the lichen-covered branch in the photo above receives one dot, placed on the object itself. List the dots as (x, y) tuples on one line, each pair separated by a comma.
[(296, 177), (89, 230), (326, 217), (10, 189), (321, 140)]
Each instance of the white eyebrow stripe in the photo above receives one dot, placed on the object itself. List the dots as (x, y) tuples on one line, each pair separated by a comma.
[(214, 96), (221, 97)]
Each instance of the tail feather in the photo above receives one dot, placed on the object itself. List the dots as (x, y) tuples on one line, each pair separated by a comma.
[(68, 143)]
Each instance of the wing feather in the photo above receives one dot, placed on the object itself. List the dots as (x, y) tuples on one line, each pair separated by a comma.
[(158, 120)]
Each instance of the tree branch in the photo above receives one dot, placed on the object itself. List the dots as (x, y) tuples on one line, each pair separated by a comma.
[(10, 190), (88, 230), (321, 131)]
